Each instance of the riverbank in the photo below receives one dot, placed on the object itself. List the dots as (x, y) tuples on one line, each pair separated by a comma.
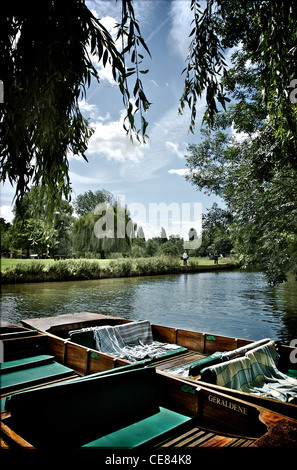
[(28, 271)]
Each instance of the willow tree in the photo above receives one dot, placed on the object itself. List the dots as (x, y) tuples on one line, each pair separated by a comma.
[(107, 229), (46, 67), (266, 32)]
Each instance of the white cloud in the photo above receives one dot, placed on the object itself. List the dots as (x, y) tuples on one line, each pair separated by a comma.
[(92, 111), (6, 213), (154, 83), (135, 161), (242, 136), (181, 17), (111, 141), (174, 148), (179, 172)]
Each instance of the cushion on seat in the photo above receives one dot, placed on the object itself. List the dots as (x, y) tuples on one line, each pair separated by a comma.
[(142, 432)]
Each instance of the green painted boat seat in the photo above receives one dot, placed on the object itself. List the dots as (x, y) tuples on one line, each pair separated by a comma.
[(79, 412), (18, 334), (27, 372), (24, 363), (143, 432), (136, 365), (291, 373), (116, 370), (197, 366)]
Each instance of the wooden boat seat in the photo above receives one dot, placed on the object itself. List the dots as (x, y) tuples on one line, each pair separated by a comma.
[(132, 341), (27, 372), (18, 334), (96, 411)]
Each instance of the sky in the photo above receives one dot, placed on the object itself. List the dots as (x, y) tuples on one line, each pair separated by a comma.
[(148, 178)]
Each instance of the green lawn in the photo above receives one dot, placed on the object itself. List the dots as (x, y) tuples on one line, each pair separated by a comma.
[(11, 263)]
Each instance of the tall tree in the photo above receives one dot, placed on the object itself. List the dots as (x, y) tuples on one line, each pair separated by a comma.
[(87, 202), (106, 229), (263, 203), (216, 223), (249, 152), (38, 235)]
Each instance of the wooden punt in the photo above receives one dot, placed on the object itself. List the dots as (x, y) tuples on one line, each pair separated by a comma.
[(217, 419), (197, 346)]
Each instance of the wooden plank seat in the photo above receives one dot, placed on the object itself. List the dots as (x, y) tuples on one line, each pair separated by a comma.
[(17, 334), (132, 341), (194, 368), (27, 372), (119, 409)]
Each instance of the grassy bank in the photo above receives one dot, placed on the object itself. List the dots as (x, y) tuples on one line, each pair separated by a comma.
[(20, 271)]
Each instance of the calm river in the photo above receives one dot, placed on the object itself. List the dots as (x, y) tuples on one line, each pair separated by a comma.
[(233, 303)]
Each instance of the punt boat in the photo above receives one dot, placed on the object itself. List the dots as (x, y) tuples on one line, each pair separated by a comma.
[(58, 394), (224, 364)]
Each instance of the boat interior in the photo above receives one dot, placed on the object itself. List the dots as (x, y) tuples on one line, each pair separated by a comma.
[(155, 409), (211, 360)]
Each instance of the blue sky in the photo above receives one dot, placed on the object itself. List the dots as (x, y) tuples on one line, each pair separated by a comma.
[(142, 175)]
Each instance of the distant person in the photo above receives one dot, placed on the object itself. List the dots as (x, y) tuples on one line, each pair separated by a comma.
[(185, 258), (216, 257)]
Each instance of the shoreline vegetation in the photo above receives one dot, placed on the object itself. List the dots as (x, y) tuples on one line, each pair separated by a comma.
[(15, 271)]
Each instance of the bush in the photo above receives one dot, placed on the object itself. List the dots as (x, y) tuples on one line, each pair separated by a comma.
[(83, 269)]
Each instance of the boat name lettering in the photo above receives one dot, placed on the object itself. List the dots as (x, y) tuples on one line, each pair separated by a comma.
[(211, 338), (228, 404), (188, 389), (95, 355)]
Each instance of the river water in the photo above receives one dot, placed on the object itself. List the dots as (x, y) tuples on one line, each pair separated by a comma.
[(239, 304)]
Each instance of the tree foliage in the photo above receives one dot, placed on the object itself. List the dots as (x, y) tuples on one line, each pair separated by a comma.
[(46, 66), (35, 235), (104, 230), (45, 63), (266, 32), (249, 152), (261, 196), (87, 202), (216, 224)]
